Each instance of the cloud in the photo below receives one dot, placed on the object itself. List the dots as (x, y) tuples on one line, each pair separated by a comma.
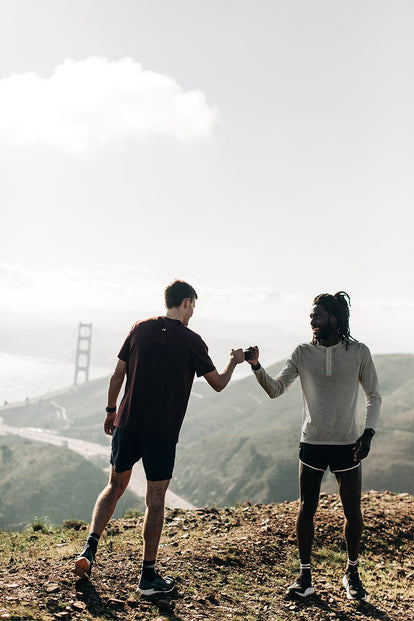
[(95, 102), (14, 277), (67, 289), (251, 295)]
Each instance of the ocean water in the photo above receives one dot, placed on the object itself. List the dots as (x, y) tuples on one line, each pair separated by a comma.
[(24, 377)]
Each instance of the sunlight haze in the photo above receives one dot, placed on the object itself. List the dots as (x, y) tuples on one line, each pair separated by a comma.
[(261, 151)]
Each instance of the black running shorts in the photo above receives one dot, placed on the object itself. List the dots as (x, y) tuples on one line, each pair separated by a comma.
[(339, 457), (158, 456)]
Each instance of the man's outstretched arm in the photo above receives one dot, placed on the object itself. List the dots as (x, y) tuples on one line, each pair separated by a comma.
[(115, 385), (273, 386), (217, 380)]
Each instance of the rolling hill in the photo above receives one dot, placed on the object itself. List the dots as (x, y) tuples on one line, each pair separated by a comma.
[(240, 445), (49, 483)]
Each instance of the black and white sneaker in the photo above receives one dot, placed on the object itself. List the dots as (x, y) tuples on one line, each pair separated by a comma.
[(302, 587), (353, 585), (84, 562), (158, 585)]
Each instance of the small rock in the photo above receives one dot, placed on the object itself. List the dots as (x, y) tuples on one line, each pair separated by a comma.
[(52, 587), (79, 606)]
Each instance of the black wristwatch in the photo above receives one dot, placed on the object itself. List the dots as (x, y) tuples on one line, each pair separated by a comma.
[(110, 410), (369, 431)]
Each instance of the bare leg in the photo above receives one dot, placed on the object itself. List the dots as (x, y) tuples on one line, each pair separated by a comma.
[(154, 517), (107, 500), (309, 484), (349, 483)]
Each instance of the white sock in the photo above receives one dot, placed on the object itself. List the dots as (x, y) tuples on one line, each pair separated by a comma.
[(352, 563)]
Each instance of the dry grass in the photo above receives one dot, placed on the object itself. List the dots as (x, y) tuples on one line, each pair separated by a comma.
[(229, 564)]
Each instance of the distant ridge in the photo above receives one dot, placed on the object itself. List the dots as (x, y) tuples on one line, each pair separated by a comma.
[(49, 483), (240, 445)]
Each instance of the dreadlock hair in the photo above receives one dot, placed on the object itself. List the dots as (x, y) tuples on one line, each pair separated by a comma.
[(337, 305)]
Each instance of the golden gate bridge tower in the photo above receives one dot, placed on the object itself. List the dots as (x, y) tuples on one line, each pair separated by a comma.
[(83, 351)]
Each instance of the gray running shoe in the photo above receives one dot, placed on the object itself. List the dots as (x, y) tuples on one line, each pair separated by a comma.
[(84, 562), (302, 587), (353, 585), (158, 585)]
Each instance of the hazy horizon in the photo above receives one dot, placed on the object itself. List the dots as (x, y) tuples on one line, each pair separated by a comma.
[(263, 153)]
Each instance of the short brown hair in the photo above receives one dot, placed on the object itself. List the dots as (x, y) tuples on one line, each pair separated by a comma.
[(178, 291)]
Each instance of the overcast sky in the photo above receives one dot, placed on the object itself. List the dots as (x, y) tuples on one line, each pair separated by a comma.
[(261, 150)]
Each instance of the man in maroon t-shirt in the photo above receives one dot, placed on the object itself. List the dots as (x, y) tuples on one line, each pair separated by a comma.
[(160, 358)]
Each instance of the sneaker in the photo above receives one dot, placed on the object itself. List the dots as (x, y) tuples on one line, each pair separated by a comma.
[(83, 564), (353, 585), (158, 585), (302, 587)]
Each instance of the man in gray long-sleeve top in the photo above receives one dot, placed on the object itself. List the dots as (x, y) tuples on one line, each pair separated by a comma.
[(330, 368)]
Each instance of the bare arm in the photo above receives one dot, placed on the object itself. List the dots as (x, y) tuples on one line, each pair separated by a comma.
[(115, 385), (217, 380)]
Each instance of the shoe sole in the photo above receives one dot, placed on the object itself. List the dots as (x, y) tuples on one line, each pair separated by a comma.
[(155, 591), (82, 567), (308, 591), (348, 594)]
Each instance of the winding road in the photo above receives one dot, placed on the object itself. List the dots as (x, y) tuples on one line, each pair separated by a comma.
[(91, 449)]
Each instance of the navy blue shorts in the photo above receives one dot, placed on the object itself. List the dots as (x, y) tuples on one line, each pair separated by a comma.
[(158, 456), (339, 457)]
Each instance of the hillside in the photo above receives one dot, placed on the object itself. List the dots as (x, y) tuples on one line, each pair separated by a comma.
[(240, 445), (247, 442), (42, 480), (231, 564)]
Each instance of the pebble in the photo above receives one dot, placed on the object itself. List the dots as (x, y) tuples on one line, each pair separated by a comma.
[(78, 606), (52, 587)]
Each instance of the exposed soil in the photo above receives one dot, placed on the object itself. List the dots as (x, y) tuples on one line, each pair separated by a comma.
[(233, 563)]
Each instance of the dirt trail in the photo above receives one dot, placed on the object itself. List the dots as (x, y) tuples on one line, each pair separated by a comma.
[(232, 564)]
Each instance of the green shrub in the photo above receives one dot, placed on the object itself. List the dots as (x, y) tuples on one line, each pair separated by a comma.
[(74, 524), (40, 524), (132, 513)]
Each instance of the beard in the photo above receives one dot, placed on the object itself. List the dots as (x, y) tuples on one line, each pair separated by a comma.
[(324, 333)]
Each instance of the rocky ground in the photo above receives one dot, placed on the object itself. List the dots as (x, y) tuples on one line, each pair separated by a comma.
[(229, 564)]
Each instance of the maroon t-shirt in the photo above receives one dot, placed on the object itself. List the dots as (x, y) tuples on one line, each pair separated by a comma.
[(162, 357)]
